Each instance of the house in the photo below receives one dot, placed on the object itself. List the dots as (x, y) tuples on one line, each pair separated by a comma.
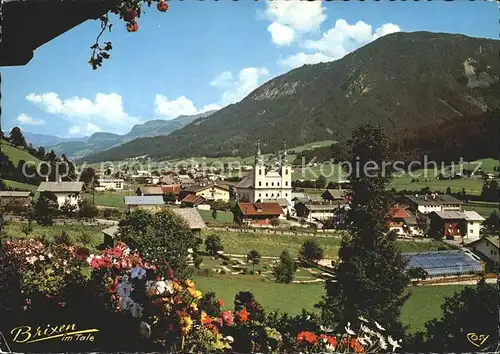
[(258, 213), (192, 218), (17, 197), (489, 250), (150, 202), (110, 184), (316, 212), (266, 181), (285, 205), (195, 201), (149, 191), (334, 195), (209, 192), (396, 219), (426, 204), (474, 224), (167, 180), (110, 234), (465, 224), (64, 191), (174, 189)]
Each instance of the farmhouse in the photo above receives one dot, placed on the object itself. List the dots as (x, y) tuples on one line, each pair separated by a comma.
[(396, 219), (64, 191), (264, 183), (334, 195), (194, 201), (453, 224), (489, 250), (474, 224), (315, 212), (426, 204), (192, 218), (110, 184), (174, 189), (209, 192), (17, 197), (151, 202), (149, 191), (257, 213)]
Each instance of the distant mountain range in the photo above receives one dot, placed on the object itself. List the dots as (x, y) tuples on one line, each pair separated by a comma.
[(80, 147), (401, 81)]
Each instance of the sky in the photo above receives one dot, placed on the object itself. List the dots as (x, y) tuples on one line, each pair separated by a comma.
[(204, 55)]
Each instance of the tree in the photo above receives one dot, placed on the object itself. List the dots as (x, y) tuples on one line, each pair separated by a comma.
[(41, 153), (46, 208), (3, 186), (448, 190), (321, 182), (213, 244), (491, 226), (418, 274), (311, 251), (472, 310), (371, 276), (164, 240), (214, 214), (423, 224), (275, 222), (284, 271), (87, 210), (88, 178), (68, 209), (254, 257), (17, 137), (169, 198), (197, 261)]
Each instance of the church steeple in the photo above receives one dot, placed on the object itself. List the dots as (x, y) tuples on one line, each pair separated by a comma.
[(284, 162), (258, 156)]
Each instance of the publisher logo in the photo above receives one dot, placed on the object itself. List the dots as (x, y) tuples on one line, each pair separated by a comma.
[(63, 333)]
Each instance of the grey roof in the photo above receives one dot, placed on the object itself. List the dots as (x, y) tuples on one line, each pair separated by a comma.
[(450, 214), (298, 195), (471, 215), (440, 199), (192, 217), (493, 240), (144, 200), (110, 231), (336, 193), (72, 187), (14, 194), (412, 220), (281, 201)]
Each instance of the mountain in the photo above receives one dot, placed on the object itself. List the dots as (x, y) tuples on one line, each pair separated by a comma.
[(47, 140), (100, 141), (401, 81)]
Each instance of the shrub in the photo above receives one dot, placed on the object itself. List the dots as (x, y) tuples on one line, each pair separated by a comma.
[(84, 238), (63, 239), (222, 271), (198, 260), (251, 272)]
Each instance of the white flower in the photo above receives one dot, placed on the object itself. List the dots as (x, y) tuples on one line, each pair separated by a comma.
[(326, 329), (41, 257), (381, 341), (379, 326), (362, 319), (50, 256), (349, 330), (330, 348), (145, 329), (393, 343), (31, 260), (126, 252), (230, 339), (138, 272)]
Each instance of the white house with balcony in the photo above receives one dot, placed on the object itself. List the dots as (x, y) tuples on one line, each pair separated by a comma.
[(110, 184), (64, 191)]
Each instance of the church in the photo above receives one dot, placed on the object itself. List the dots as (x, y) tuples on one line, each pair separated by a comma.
[(266, 182)]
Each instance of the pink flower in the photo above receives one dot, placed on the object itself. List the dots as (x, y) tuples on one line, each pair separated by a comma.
[(227, 318)]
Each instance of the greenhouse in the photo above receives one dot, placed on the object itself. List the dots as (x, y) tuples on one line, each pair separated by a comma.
[(444, 263)]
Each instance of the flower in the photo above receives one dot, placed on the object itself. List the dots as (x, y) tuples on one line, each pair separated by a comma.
[(330, 340), (393, 343), (204, 318), (379, 326), (186, 323), (193, 307), (229, 339), (145, 329), (381, 341), (356, 345), (138, 273), (330, 348), (227, 318), (162, 6), (189, 283), (306, 337), (196, 294), (220, 302), (136, 310), (326, 329), (349, 330), (242, 315), (362, 319)]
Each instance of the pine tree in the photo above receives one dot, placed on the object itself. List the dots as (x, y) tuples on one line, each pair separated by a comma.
[(17, 138), (371, 277)]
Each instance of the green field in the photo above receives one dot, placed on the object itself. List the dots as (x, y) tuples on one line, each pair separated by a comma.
[(109, 199), (423, 305), (223, 217), (483, 208), (273, 244), (15, 154), (18, 185)]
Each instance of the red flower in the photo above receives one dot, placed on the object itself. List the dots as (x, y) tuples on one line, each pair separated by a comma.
[(227, 318), (132, 26), (162, 6), (242, 316), (305, 337), (220, 302), (117, 252), (356, 345), (329, 339), (170, 272), (178, 300)]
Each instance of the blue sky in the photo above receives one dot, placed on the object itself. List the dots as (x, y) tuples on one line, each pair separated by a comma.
[(204, 55)]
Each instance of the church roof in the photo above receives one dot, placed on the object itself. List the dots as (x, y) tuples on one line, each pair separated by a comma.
[(246, 182)]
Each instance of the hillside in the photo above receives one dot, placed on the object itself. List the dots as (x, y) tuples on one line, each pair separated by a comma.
[(102, 140), (401, 81)]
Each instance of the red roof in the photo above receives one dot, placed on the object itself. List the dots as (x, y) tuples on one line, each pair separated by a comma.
[(171, 189), (194, 199), (398, 213), (253, 209)]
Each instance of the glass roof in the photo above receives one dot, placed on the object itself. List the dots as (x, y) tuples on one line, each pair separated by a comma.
[(441, 263)]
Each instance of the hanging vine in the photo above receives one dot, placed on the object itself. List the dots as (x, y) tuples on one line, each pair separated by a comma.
[(129, 11)]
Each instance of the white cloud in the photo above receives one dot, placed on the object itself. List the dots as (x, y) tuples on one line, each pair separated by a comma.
[(223, 80), (210, 107), (281, 34), (248, 80), (338, 41), (105, 110), (181, 106), (84, 130), (25, 119), (303, 16), (299, 59)]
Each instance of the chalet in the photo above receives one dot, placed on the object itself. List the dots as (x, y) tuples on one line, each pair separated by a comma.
[(450, 224), (174, 189), (192, 218), (210, 192), (150, 202), (110, 184), (316, 212), (331, 195), (64, 191), (195, 201), (17, 197), (474, 223), (149, 191), (426, 204), (396, 220), (258, 213), (488, 249)]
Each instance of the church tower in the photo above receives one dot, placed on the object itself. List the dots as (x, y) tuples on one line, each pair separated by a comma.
[(286, 175), (259, 169)]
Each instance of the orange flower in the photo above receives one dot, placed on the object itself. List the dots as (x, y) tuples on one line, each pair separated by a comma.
[(189, 283), (242, 316), (132, 26), (162, 6), (306, 337), (220, 302), (356, 346), (196, 294), (205, 319), (328, 339), (177, 287)]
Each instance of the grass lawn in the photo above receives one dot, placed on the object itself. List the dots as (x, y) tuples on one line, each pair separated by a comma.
[(13, 229), (18, 185), (273, 244), (15, 154), (222, 216), (483, 208), (423, 305), (112, 199)]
